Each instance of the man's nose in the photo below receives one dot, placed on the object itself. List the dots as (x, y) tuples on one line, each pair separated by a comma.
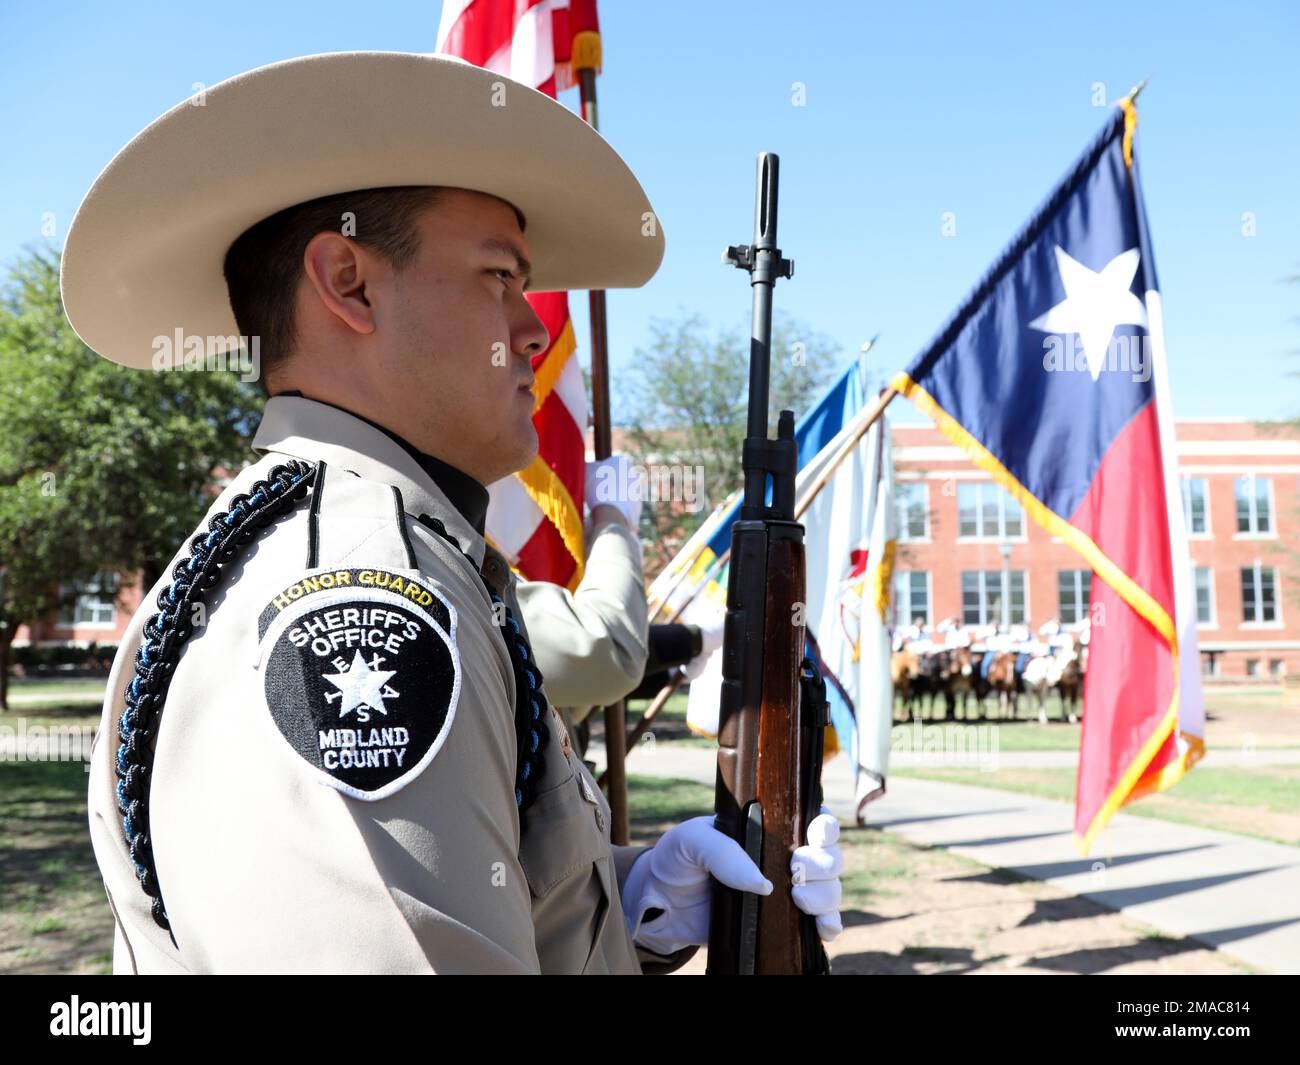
[(529, 334)]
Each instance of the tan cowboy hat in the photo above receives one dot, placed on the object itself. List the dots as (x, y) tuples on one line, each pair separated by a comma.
[(144, 254)]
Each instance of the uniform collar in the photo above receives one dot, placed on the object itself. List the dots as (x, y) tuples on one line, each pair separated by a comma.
[(462, 491), (307, 429)]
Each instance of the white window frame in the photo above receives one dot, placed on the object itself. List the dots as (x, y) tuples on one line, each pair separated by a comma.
[(1253, 533), (903, 535), (1004, 497), (1208, 534), (1082, 588), (1004, 579), (900, 619), (1213, 623), (95, 597), (1277, 622)]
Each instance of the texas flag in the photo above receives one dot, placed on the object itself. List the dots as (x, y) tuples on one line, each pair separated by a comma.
[(1051, 377)]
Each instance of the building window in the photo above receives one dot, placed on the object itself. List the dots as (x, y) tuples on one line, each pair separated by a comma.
[(1196, 505), (987, 512), (1210, 665), (911, 597), (1204, 581), (1254, 510), (1073, 587), (93, 605), (1277, 667), (1259, 594), (1252, 667), (985, 593), (913, 499)]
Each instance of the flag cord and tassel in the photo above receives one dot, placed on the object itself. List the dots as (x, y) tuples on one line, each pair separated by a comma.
[(805, 501)]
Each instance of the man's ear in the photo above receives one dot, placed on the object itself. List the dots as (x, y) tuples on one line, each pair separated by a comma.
[(336, 270)]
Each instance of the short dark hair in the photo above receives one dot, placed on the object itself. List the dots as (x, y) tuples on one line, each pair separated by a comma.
[(264, 264)]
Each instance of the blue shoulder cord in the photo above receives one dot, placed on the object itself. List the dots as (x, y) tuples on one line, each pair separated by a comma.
[(167, 631), (164, 636), (531, 732)]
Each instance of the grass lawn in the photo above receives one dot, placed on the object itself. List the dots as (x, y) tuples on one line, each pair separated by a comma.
[(41, 701), (44, 689), (655, 801), (669, 724), (47, 715), (1263, 802), (54, 916)]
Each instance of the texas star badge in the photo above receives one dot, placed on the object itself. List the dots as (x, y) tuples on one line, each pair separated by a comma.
[(362, 675)]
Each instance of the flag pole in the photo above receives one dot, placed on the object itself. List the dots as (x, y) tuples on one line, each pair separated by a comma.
[(1133, 92), (602, 444), (876, 409)]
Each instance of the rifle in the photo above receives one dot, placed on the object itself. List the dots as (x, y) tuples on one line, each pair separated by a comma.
[(773, 708)]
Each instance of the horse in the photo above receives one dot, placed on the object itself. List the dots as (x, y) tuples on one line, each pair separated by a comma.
[(1002, 679), (1070, 682), (929, 681), (959, 680), (903, 666), (1041, 673)]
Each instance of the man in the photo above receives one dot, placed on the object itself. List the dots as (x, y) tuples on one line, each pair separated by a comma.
[(594, 645), (326, 745), (591, 644)]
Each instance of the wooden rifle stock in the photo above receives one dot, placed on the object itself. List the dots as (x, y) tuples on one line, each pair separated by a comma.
[(772, 712)]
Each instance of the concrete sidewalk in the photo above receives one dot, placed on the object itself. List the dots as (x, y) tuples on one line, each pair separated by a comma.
[(1217, 758), (1239, 895)]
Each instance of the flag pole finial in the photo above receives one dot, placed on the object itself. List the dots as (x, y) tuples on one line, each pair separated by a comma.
[(1127, 105)]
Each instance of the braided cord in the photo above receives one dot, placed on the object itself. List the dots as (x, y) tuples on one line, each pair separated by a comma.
[(531, 732), (165, 635)]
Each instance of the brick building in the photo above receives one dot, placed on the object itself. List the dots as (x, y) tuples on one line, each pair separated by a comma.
[(968, 551), (966, 547)]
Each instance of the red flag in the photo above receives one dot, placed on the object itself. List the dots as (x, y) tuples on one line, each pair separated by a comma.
[(535, 517)]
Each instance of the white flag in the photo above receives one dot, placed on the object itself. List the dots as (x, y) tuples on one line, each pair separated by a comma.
[(851, 535)]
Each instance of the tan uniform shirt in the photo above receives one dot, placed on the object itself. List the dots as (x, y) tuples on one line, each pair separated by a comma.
[(592, 643), (387, 839)]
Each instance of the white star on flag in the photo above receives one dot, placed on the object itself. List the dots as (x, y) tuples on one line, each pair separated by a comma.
[(361, 685), (1095, 303)]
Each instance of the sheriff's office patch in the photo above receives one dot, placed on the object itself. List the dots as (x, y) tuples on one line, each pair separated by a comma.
[(362, 675)]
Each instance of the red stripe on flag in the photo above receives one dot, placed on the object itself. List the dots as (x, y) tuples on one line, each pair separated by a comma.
[(562, 447), (1130, 680), (485, 27), (545, 552)]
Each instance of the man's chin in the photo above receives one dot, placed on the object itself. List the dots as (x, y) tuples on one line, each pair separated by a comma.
[(528, 448), (533, 445)]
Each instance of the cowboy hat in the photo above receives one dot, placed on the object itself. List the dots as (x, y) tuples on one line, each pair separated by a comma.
[(143, 257)]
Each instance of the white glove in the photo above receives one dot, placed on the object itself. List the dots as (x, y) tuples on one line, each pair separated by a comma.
[(614, 482), (674, 876), (711, 639), (815, 868)]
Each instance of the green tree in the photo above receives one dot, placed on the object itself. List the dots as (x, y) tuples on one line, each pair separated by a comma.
[(101, 467), (687, 402)]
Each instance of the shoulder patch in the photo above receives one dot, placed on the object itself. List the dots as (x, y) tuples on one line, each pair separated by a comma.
[(362, 675)]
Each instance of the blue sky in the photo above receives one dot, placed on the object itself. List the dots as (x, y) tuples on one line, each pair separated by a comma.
[(910, 111)]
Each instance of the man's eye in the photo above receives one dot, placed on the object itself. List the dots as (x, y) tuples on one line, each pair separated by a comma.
[(509, 276)]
